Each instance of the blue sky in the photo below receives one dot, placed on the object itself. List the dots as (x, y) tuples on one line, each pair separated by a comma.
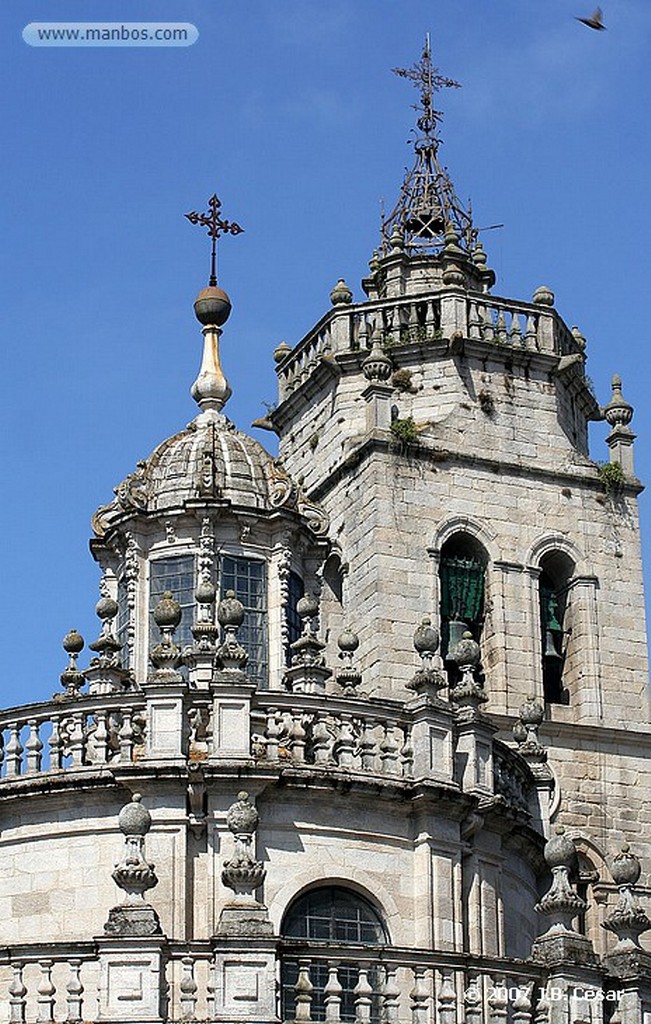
[(288, 110)]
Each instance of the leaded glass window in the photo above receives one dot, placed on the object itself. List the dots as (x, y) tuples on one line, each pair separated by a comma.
[(337, 916), (176, 575), (248, 578), (294, 625), (122, 622)]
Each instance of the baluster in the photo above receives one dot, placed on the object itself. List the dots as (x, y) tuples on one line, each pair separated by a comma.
[(531, 333), (46, 992), (56, 745), (272, 735), (515, 333), (125, 735), (522, 1005), (345, 745), (2, 750), (474, 321), (419, 996), (363, 993), (390, 750), (13, 751), (390, 996), (188, 989), (297, 739), (211, 989), (447, 1000), (322, 740), (368, 746), (100, 739), (17, 993), (34, 746), (407, 753), (75, 991), (303, 989), (498, 1001), (488, 331), (543, 1009), (500, 327), (472, 1000), (76, 739), (332, 995)]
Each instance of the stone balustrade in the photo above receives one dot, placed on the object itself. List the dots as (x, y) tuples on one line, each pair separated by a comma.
[(361, 985), (426, 319), (59, 735), (353, 735)]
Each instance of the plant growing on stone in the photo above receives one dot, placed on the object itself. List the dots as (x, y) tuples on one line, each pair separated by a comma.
[(401, 379), (486, 402), (612, 477), (405, 431)]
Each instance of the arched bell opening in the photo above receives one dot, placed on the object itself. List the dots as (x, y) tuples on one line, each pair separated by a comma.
[(556, 571), (462, 575)]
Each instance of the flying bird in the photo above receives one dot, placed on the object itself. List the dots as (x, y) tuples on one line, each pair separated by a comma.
[(594, 21)]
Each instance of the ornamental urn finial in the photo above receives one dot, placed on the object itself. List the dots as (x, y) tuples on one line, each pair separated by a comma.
[(618, 412), (134, 875), (377, 366), (341, 294), (628, 920), (231, 656), (166, 656), (348, 676), (71, 678), (426, 679)]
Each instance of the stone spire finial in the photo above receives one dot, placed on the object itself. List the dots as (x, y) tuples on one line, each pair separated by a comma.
[(427, 202), (377, 366), (561, 903), (348, 677), (71, 678), (204, 629), (166, 656), (308, 672), (525, 730), (341, 294), (618, 412), (231, 656), (628, 920), (427, 679), (134, 875), (106, 646)]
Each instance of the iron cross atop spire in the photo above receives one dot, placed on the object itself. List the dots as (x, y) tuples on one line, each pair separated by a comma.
[(428, 206), (216, 226)]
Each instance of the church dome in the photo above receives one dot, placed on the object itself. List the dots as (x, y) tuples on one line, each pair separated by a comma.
[(209, 460)]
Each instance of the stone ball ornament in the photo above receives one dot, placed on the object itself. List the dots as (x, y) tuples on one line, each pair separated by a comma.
[(168, 611), (106, 609), (532, 712), (242, 817), (212, 306), (341, 294), (230, 611), (466, 652), (205, 592), (73, 642), (348, 642), (134, 819), (625, 868), (560, 851), (307, 606), (426, 637), (543, 296)]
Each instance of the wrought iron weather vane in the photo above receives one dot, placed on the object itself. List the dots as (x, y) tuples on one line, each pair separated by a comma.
[(216, 226), (427, 205)]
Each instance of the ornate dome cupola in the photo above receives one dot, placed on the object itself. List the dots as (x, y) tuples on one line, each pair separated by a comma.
[(209, 507)]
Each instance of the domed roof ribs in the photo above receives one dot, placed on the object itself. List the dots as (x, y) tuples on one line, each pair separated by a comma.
[(427, 204)]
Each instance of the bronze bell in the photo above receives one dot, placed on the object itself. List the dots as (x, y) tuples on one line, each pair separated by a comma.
[(551, 651)]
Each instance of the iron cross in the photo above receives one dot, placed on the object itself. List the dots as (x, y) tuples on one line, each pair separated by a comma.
[(216, 226)]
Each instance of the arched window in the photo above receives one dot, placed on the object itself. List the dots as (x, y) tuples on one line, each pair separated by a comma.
[(335, 916), (462, 572), (557, 569)]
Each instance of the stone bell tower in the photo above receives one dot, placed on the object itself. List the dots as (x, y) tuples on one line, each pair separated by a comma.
[(444, 428)]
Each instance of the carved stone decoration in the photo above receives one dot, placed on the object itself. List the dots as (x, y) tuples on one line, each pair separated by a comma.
[(348, 677), (468, 693), (106, 674), (166, 656), (135, 875), (231, 656), (561, 943), (284, 566), (196, 792), (628, 920), (427, 679), (377, 366), (243, 874), (307, 672), (71, 678), (284, 493)]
